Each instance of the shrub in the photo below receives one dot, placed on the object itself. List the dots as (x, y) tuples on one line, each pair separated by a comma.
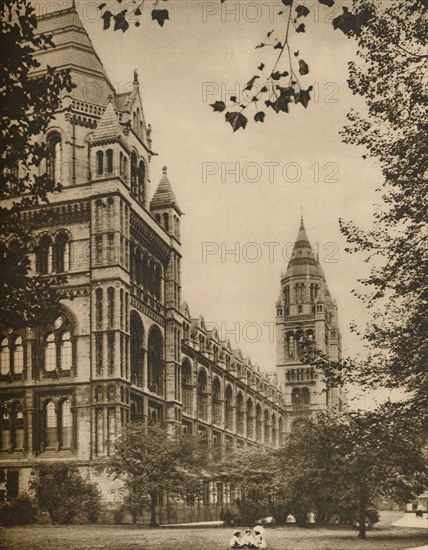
[(61, 490), (19, 511)]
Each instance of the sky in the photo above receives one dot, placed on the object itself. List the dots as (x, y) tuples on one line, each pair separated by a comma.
[(291, 163)]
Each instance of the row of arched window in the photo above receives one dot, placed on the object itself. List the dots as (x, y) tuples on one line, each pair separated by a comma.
[(53, 254), (145, 271), (299, 293), (11, 355), (247, 416), (295, 341), (57, 425), (12, 427)]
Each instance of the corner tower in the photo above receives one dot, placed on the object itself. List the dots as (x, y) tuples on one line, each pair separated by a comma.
[(305, 310)]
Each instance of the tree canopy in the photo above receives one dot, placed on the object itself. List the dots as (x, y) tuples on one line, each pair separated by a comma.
[(27, 105)]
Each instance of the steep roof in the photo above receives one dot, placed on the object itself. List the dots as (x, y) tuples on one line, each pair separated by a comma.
[(303, 261), (164, 196), (109, 128)]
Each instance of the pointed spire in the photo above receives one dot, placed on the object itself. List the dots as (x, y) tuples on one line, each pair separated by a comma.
[(109, 128), (136, 76), (164, 196)]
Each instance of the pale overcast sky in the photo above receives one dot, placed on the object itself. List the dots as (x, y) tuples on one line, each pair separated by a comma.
[(185, 61)]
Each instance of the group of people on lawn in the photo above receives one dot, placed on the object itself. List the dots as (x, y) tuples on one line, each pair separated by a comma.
[(251, 539)]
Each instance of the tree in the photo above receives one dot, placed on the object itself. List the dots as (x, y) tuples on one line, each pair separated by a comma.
[(27, 105), (255, 471), (61, 490), (151, 462), (338, 465), (390, 74)]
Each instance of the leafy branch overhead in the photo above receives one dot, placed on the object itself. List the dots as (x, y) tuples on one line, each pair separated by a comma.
[(275, 85)]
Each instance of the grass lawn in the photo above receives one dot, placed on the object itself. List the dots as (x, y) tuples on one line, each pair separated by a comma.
[(126, 537)]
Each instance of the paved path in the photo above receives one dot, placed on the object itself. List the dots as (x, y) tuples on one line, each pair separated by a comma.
[(410, 520)]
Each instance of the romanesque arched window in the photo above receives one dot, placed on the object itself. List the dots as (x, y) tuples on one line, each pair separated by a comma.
[(5, 428), (58, 347), (280, 432), (266, 428), (100, 163), (259, 424), (134, 173), (5, 365), (202, 395), (216, 402), (141, 181), (12, 426), (51, 426), (274, 427), (156, 379), (158, 282), (54, 160), (250, 419), (17, 355), (66, 424), (228, 408), (240, 420), (137, 349), (62, 252), (50, 353), (110, 306), (99, 307), (109, 159), (44, 255), (66, 354), (187, 388)]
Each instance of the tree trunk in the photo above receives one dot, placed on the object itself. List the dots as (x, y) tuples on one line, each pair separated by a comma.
[(153, 503), (362, 502)]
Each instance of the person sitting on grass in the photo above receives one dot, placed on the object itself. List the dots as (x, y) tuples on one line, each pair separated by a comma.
[(234, 541), (259, 537), (248, 540)]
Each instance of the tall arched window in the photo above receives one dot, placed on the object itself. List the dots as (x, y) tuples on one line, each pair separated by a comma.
[(156, 379), (5, 428), (66, 351), (187, 388), (280, 432), (109, 157), (228, 409), (18, 356), (66, 424), (259, 424), (54, 161), (141, 181), (216, 400), (240, 414), (158, 282), (274, 431), (45, 255), (99, 307), (5, 357), (62, 252), (137, 349), (266, 428), (110, 306), (250, 419), (202, 401), (100, 163), (134, 175), (18, 427), (51, 432), (50, 353)]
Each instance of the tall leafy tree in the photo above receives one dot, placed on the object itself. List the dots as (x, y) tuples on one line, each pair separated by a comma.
[(27, 105), (338, 465), (152, 463)]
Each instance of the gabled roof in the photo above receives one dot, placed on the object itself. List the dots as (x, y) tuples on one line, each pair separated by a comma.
[(109, 128), (164, 196)]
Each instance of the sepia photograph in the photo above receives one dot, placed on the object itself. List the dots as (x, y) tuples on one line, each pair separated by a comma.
[(214, 274)]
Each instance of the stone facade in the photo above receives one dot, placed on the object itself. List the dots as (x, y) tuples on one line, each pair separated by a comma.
[(126, 346)]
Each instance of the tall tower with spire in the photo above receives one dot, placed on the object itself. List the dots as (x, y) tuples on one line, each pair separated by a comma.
[(305, 310)]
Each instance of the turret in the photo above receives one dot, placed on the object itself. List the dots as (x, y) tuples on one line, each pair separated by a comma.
[(164, 207)]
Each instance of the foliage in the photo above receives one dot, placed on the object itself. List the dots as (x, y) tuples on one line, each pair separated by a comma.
[(255, 471), (19, 511), (61, 490), (390, 74), (276, 83), (336, 466), (151, 462), (27, 105)]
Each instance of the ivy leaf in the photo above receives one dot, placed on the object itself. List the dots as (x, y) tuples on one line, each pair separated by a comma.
[(277, 75), (233, 98), (236, 120), (259, 117), (303, 67), (302, 11), (138, 11), (303, 97), (269, 33), (329, 3), (106, 16), (261, 45), (261, 67), (102, 6), (218, 106), (281, 103), (296, 53), (287, 2), (301, 28), (264, 89), (120, 22), (160, 16), (278, 46), (250, 83)]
